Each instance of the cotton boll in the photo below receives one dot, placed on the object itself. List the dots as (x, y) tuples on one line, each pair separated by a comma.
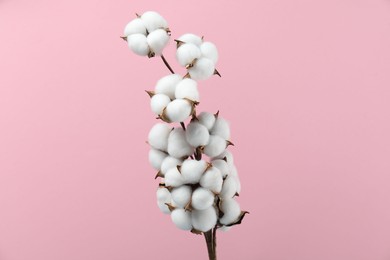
[(209, 51), (157, 40), (182, 219), (197, 134), (158, 102), (178, 110), (158, 136), (167, 85), (153, 21), (173, 178), (207, 119), (191, 38), (222, 166), (192, 170), (215, 147), (234, 174), (224, 228), (181, 195), (202, 199), (163, 196), (135, 26), (177, 144), (156, 157), (138, 44), (231, 210), (187, 88), (226, 155), (221, 128), (204, 220), (212, 180), (168, 163), (187, 53), (229, 188), (203, 69)]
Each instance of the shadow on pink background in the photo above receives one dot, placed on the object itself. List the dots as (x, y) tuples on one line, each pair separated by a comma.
[(306, 87)]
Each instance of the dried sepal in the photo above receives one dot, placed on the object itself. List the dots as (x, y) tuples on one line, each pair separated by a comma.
[(239, 220), (216, 72), (170, 206), (196, 232), (159, 174), (151, 93)]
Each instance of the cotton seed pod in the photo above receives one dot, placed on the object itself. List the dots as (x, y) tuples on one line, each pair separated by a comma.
[(187, 88), (197, 134), (182, 219), (158, 102), (229, 188), (158, 136), (135, 26), (204, 220), (221, 128), (138, 44), (167, 85), (202, 69), (156, 157), (212, 180), (163, 196), (191, 38), (192, 170), (207, 119), (187, 53), (202, 199), (153, 21), (222, 166), (158, 40), (173, 178), (209, 51), (178, 110), (177, 144), (215, 147), (231, 211), (181, 196), (168, 163)]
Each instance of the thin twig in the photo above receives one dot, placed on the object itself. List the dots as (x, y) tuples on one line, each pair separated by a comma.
[(167, 64)]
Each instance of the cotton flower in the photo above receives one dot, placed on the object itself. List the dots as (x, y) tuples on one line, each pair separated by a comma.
[(158, 136), (182, 219), (138, 43), (163, 197), (173, 178), (190, 38), (212, 180), (187, 54), (153, 21), (197, 134), (181, 195), (156, 157), (178, 110), (168, 163), (231, 210), (202, 199), (158, 102), (178, 146), (204, 220), (221, 128), (222, 166), (167, 85), (216, 146), (207, 119), (192, 170), (187, 88)]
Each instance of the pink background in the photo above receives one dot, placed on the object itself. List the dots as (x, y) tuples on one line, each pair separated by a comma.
[(306, 87)]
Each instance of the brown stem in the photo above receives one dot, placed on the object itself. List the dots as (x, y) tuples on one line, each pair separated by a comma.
[(209, 236), (167, 64)]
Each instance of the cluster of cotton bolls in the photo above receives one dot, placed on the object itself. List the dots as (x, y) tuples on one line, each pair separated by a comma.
[(148, 34), (199, 194), (198, 56)]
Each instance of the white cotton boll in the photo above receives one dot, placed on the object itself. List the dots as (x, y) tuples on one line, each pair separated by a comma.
[(197, 134), (228, 156), (178, 110), (157, 40), (203, 69), (168, 163), (231, 210), (158, 136), (138, 44), (156, 157), (222, 166), (234, 174), (181, 196), (191, 38), (215, 147), (177, 144), (163, 196), (209, 51), (187, 53), (229, 187), (212, 180), (221, 128), (204, 220), (202, 199), (187, 88), (158, 102), (134, 27), (167, 85), (173, 178), (207, 119), (182, 219), (192, 170), (224, 228), (153, 21)]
